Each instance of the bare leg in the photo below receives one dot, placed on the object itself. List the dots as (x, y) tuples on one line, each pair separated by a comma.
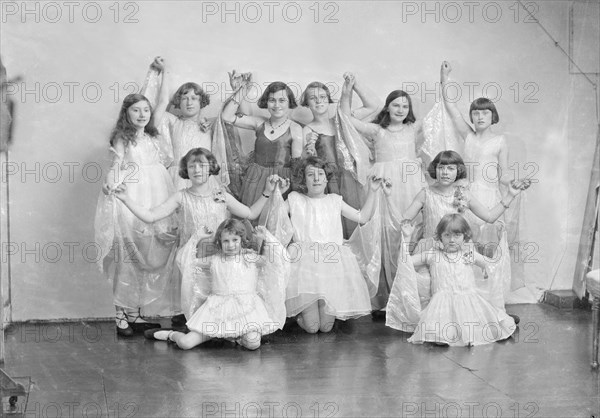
[(327, 320), (309, 319)]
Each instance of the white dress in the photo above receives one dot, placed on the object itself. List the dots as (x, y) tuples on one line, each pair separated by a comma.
[(136, 256), (322, 267), (457, 314)]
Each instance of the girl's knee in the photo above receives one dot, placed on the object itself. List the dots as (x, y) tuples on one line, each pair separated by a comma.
[(326, 326)]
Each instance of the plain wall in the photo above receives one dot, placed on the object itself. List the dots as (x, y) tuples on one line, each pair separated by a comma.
[(549, 115)]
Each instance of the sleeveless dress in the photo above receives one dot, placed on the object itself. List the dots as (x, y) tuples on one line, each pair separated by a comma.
[(195, 212), (457, 314), (270, 157), (485, 187), (136, 256), (322, 267)]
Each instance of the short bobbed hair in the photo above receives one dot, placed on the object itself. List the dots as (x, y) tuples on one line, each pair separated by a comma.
[(235, 227), (274, 88), (184, 88), (314, 85), (196, 154), (483, 103), (453, 223), (448, 158)]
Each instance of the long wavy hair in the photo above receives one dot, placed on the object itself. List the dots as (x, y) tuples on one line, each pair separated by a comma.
[(124, 129), (383, 118)]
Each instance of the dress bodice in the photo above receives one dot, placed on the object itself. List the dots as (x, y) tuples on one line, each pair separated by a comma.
[(395, 146), (145, 151), (450, 272), (198, 211), (269, 153), (436, 206), (316, 220), (233, 275), (325, 147), (481, 159), (185, 135)]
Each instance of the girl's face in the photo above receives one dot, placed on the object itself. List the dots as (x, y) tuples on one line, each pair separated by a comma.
[(278, 104), (316, 180), (139, 114), (231, 244), (318, 101), (398, 109), (198, 169), (446, 173), (482, 119), (189, 104), (452, 241)]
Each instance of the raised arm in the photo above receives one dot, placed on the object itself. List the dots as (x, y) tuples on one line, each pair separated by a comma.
[(460, 124), (367, 129), (371, 103), (505, 174), (168, 207), (366, 213), (160, 64), (231, 109)]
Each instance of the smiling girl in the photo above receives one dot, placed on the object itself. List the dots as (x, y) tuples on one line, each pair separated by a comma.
[(136, 256), (278, 138)]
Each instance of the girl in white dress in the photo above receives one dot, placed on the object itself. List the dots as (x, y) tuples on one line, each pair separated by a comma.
[(457, 314), (326, 281), (244, 291)]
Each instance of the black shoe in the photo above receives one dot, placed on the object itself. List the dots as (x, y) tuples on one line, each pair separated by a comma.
[(378, 316), (125, 332), (143, 326), (515, 318), (178, 320)]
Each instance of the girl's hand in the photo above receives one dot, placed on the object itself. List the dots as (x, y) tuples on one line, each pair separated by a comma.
[(236, 80), (349, 81), (311, 140), (260, 232), (468, 257), (445, 70), (120, 192), (272, 183), (386, 186), (517, 186), (525, 183), (158, 64), (407, 229), (375, 183)]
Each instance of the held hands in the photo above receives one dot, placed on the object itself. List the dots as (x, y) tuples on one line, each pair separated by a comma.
[(158, 64), (237, 80), (272, 182), (349, 81), (407, 229)]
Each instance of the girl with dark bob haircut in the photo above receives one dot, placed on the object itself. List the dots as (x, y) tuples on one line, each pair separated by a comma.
[(195, 154), (273, 88), (448, 158), (278, 145)]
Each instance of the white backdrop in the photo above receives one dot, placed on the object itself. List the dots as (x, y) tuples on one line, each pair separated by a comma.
[(79, 60)]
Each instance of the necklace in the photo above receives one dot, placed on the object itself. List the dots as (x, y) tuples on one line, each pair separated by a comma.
[(277, 127)]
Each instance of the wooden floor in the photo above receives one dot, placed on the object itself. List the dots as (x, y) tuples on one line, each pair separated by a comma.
[(362, 368)]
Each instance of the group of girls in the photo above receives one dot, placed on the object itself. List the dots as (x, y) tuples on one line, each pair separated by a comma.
[(238, 282)]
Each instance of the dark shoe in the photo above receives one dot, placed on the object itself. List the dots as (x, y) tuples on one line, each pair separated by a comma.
[(515, 318), (378, 316), (125, 332), (149, 333), (178, 320), (143, 326)]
